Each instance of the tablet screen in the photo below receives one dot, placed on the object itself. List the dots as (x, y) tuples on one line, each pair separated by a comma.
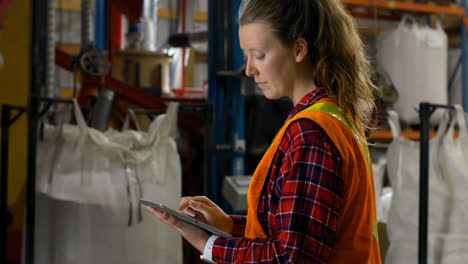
[(186, 218)]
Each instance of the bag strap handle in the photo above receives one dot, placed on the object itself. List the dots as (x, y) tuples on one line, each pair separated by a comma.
[(407, 19), (444, 122), (438, 25), (86, 175), (394, 124), (79, 117), (460, 120), (57, 147), (131, 115)]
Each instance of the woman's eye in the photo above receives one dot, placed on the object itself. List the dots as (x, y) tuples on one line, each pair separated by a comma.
[(259, 57)]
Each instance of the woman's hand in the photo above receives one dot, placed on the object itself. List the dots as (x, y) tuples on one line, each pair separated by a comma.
[(204, 210), (194, 235)]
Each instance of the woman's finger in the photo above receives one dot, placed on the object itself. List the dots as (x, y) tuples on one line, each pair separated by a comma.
[(201, 208), (189, 211), (184, 203), (186, 208)]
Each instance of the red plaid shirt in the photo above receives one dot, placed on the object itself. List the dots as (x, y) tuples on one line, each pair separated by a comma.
[(300, 206)]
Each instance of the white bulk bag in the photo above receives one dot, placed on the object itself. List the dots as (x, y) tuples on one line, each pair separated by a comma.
[(454, 163), (161, 182), (88, 211), (403, 218), (383, 203), (455, 92), (415, 57), (378, 170)]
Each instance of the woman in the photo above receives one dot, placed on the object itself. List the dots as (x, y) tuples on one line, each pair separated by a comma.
[(311, 198)]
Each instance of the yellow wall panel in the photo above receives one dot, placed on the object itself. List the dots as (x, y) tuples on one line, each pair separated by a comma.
[(15, 83)]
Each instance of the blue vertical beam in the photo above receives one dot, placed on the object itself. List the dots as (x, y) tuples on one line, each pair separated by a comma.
[(238, 160), (464, 62), (101, 24), (213, 90), (221, 99)]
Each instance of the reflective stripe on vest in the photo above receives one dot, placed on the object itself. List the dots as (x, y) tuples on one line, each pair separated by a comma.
[(336, 112)]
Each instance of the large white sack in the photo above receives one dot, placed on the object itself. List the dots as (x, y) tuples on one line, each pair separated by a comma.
[(454, 163), (403, 218), (88, 211), (415, 57)]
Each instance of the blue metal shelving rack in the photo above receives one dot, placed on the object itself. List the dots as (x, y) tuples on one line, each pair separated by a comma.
[(225, 92)]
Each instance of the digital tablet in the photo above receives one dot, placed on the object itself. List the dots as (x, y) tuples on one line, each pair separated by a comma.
[(186, 218)]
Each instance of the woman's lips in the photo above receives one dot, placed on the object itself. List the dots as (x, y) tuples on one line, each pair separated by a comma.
[(261, 84)]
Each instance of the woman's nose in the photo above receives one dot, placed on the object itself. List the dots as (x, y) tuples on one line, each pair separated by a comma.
[(249, 69)]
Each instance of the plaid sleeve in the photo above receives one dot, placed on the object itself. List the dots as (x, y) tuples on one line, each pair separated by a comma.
[(238, 228), (303, 217)]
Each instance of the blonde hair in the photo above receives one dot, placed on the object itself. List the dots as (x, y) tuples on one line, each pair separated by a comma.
[(335, 48)]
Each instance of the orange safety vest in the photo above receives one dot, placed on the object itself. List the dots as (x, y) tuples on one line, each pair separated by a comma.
[(356, 235)]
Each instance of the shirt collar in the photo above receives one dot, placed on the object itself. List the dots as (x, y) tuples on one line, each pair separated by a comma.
[(308, 100)]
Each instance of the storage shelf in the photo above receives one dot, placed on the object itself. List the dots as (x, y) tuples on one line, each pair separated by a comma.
[(386, 135), (167, 13), (407, 6), (73, 49), (67, 5)]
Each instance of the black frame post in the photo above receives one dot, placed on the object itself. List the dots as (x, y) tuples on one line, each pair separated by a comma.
[(6, 110), (7, 121), (425, 111), (33, 110)]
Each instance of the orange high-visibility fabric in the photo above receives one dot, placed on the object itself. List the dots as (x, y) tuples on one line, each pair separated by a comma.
[(356, 237)]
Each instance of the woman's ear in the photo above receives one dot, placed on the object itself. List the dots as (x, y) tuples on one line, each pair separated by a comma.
[(301, 49)]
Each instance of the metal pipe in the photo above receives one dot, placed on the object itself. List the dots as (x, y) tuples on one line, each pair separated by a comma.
[(103, 109), (464, 61), (155, 19), (31, 179), (103, 106), (38, 48), (101, 24), (37, 71), (213, 80), (238, 107), (183, 20), (50, 90), (220, 98), (86, 22)]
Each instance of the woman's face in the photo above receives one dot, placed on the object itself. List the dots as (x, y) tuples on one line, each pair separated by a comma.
[(270, 62)]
